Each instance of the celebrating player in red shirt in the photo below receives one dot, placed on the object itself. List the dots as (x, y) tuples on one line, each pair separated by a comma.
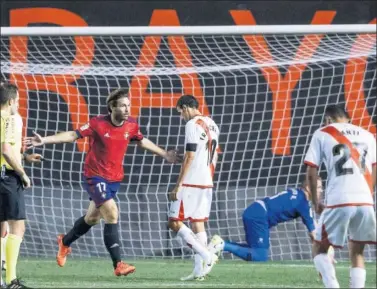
[(109, 136)]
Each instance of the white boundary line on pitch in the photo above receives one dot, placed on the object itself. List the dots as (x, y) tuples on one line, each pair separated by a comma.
[(180, 261), (209, 285), (183, 284)]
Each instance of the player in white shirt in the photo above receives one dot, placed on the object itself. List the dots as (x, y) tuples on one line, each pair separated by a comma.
[(349, 154), (192, 196)]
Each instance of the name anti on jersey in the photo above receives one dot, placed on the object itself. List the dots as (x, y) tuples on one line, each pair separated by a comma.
[(348, 152)]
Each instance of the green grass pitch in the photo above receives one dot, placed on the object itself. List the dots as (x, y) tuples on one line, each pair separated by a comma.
[(97, 273)]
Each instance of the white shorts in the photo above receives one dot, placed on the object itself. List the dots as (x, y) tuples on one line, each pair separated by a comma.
[(193, 204), (356, 222)]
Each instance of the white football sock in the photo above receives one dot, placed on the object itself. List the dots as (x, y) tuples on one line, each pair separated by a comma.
[(202, 236), (192, 241), (326, 268), (198, 260), (358, 276)]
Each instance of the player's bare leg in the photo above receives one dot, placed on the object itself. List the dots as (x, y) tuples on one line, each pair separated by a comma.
[(193, 242), (357, 271), (81, 227), (109, 212), (324, 264)]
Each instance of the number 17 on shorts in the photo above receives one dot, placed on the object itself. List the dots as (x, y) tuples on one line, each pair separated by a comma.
[(100, 190)]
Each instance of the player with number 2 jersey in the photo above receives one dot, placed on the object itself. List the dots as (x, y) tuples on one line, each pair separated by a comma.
[(348, 183), (349, 154)]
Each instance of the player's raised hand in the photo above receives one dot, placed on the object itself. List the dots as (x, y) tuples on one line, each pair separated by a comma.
[(33, 141), (172, 156), (34, 158)]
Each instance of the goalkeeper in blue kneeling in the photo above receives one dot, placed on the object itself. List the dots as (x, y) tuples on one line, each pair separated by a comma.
[(264, 214)]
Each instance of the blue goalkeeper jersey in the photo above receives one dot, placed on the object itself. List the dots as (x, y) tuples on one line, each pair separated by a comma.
[(289, 205)]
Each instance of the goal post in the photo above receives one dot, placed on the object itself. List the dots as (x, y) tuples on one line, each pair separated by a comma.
[(266, 86), (187, 30)]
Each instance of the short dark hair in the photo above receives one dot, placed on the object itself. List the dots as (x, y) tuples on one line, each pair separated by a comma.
[(8, 91), (336, 111), (187, 100), (114, 96)]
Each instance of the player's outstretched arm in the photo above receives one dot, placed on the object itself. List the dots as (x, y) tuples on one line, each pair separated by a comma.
[(171, 156), (37, 140)]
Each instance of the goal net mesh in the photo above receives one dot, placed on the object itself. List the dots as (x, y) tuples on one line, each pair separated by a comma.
[(266, 93)]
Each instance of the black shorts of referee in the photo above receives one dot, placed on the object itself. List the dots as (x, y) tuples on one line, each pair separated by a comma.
[(12, 198)]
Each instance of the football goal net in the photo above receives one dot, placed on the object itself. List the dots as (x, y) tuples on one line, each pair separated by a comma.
[(265, 86)]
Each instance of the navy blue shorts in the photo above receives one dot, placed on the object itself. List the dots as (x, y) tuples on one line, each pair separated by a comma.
[(100, 190), (12, 197), (255, 221)]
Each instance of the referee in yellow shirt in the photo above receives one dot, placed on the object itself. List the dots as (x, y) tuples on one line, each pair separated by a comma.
[(13, 181)]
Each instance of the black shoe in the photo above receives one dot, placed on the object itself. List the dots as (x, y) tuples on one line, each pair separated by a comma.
[(16, 283)]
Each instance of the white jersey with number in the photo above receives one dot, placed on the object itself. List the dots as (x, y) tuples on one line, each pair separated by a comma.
[(202, 136), (348, 183)]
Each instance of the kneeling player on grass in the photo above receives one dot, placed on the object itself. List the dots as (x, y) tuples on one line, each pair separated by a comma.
[(109, 136), (263, 214)]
